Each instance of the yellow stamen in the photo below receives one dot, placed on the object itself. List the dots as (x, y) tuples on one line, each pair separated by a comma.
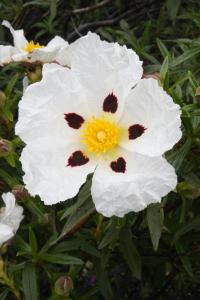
[(31, 46), (100, 135)]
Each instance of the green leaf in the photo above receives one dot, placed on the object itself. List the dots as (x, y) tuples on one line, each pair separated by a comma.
[(177, 157), (172, 8), (195, 223), (103, 280), (184, 258), (162, 48), (84, 194), (155, 223), (76, 218), (164, 67), (4, 294), (29, 282), (61, 259), (33, 240), (130, 252), (21, 245), (111, 234), (185, 56)]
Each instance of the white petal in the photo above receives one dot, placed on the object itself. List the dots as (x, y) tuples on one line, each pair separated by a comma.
[(6, 54), (50, 52), (62, 57), (42, 108), (12, 214), (18, 35), (21, 56), (145, 181), (150, 106), (9, 200), (104, 68), (47, 173), (5, 233), (57, 42)]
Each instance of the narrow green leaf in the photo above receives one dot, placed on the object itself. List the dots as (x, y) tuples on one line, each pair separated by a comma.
[(184, 259), (195, 223), (172, 8), (155, 223), (177, 157), (111, 234), (162, 48), (33, 240), (103, 280), (4, 294), (84, 194), (29, 282), (83, 213), (164, 67), (61, 259), (130, 252), (185, 56)]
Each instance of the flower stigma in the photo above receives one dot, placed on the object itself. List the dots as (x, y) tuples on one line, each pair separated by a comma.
[(31, 46), (100, 135)]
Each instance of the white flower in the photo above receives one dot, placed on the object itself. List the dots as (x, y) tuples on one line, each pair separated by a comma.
[(99, 116), (24, 51), (10, 217)]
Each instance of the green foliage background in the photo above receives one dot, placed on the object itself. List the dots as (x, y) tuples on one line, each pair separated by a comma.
[(154, 254)]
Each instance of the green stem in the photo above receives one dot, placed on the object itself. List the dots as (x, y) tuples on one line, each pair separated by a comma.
[(9, 282)]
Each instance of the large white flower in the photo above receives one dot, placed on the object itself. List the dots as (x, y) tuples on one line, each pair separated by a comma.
[(10, 217), (99, 116), (28, 51)]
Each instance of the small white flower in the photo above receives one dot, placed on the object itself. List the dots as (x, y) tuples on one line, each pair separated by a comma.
[(99, 116), (29, 51), (10, 217)]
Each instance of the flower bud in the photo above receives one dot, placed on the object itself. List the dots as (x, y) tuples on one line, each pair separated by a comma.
[(2, 99), (45, 219), (63, 285), (20, 192), (35, 74), (5, 147)]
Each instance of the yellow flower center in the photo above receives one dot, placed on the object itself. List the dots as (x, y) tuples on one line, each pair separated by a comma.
[(31, 46), (100, 135)]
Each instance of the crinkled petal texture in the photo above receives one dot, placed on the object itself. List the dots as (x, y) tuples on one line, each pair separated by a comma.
[(103, 68), (52, 116), (6, 53), (55, 50), (6, 233), (42, 108), (151, 107), (45, 163), (145, 181), (10, 217), (12, 214)]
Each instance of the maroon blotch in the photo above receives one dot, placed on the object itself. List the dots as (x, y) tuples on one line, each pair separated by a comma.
[(119, 165), (135, 131), (74, 120), (77, 159), (110, 103)]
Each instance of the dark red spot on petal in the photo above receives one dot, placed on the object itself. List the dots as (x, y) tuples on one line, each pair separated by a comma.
[(74, 120), (119, 165), (135, 131), (77, 159), (110, 103)]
